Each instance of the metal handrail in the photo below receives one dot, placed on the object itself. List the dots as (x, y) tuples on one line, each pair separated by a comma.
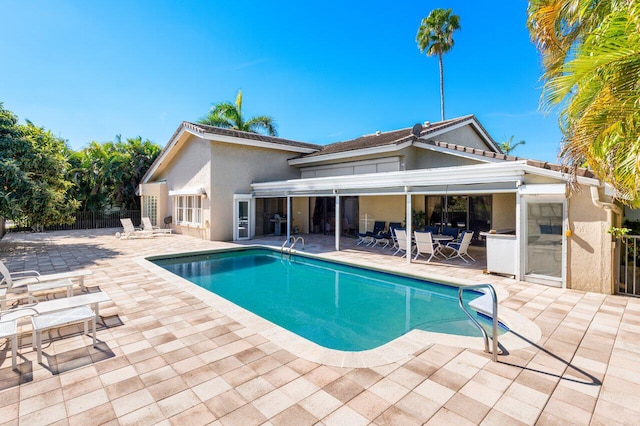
[(494, 316)]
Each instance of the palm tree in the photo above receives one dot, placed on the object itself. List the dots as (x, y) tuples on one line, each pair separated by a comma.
[(229, 116), (507, 146), (435, 36), (591, 58)]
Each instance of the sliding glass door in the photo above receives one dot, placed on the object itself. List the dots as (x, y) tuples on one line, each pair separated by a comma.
[(544, 241)]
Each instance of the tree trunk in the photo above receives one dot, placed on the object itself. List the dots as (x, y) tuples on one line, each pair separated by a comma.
[(441, 87)]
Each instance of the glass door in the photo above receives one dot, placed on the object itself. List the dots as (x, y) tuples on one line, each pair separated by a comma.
[(242, 219), (544, 241)]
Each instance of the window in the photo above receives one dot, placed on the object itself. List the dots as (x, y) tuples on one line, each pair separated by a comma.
[(150, 208), (188, 210)]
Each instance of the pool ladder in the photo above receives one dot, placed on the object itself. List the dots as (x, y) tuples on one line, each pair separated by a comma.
[(494, 317), (290, 243)]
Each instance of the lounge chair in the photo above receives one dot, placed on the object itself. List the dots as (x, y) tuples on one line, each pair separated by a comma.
[(368, 237), (131, 231), (33, 282), (9, 329), (460, 249), (155, 230), (401, 239), (426, 246)]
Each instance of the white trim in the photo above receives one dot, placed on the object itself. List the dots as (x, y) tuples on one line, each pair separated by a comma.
[(549, 189), (347, 154), (193, 190), (170, 145)]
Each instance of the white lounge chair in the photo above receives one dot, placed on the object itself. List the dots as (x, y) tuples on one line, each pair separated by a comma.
[(460, 249), (9, 329), (57, 319), (155, 230), (130, 231), (426, 246), (401, 240), (33, 282)]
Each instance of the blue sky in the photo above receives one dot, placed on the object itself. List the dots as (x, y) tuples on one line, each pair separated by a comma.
[(325, 71)]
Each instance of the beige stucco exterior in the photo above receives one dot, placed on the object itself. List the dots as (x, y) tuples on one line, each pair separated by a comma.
[(590, 256), (228, 168)]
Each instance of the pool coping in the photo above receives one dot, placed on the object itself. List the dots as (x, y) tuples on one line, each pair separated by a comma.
[(398, 350)]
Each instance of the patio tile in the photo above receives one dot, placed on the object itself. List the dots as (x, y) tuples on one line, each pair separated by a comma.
[(225, 403), (320, 404), (396, 416), (369, 405), (247, 415), (343, 389), (294, 416), (345, 416), (178, 403), (194, 416), (100, 414)]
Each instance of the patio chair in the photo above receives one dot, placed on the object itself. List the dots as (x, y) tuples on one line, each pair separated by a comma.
[(401, 238), (155, 230), (31, 282), (131, 231), (433, 229), (368, 237), (452, 232), (9, 329), (460, 249), (426, 246)]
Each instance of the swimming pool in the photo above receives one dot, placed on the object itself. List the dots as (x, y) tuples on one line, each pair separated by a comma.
[(334, 305)]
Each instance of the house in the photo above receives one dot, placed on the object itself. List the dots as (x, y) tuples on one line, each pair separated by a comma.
[(223, 184)]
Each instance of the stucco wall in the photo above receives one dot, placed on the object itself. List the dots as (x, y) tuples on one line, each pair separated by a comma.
[(189, 167), (233, 169), (389, 208), (465, 135), (300, 212), (504, 211), (420, 158), (589, 248)]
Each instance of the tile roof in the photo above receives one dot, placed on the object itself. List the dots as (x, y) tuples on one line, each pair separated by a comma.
[(203, 128), (500, 156), (394, 137)]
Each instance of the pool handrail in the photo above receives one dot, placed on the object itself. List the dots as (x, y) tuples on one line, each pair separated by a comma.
[(494, 317)]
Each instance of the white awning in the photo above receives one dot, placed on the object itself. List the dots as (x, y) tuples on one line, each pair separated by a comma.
[(193, 190)]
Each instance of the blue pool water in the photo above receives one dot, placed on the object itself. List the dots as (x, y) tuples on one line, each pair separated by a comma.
[(334, 305)]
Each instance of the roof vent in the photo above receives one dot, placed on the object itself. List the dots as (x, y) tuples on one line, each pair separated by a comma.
[(426, 123), (378, 132)]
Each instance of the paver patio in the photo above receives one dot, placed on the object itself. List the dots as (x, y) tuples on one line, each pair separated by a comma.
[(168, 357)]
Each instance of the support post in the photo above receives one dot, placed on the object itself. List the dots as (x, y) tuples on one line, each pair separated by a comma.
[(288, 218), (408, 228), (338, 224)]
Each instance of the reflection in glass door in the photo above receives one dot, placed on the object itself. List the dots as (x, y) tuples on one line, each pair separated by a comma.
[(544, 239), (243, 220)]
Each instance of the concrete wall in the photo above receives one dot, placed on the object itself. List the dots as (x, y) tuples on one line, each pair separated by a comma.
[(589, 248), (503, 211)]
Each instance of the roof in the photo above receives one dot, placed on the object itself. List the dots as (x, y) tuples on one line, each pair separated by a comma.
[(203, 128), (499, 156), (394, 137)]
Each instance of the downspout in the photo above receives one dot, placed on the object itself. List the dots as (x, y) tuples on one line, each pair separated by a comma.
[(611, 209)]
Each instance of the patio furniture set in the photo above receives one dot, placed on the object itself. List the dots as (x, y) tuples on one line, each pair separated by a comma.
[(45, 315), (429, 242)]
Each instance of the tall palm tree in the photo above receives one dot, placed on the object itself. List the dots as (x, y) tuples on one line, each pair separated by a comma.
[(435, 36), (591, 58), (229, 116)]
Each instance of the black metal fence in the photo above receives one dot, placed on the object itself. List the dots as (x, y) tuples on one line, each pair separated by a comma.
[(91, 220)]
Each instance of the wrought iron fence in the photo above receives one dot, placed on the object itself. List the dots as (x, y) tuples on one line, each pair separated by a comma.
[(91, 220), (629, 282)]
